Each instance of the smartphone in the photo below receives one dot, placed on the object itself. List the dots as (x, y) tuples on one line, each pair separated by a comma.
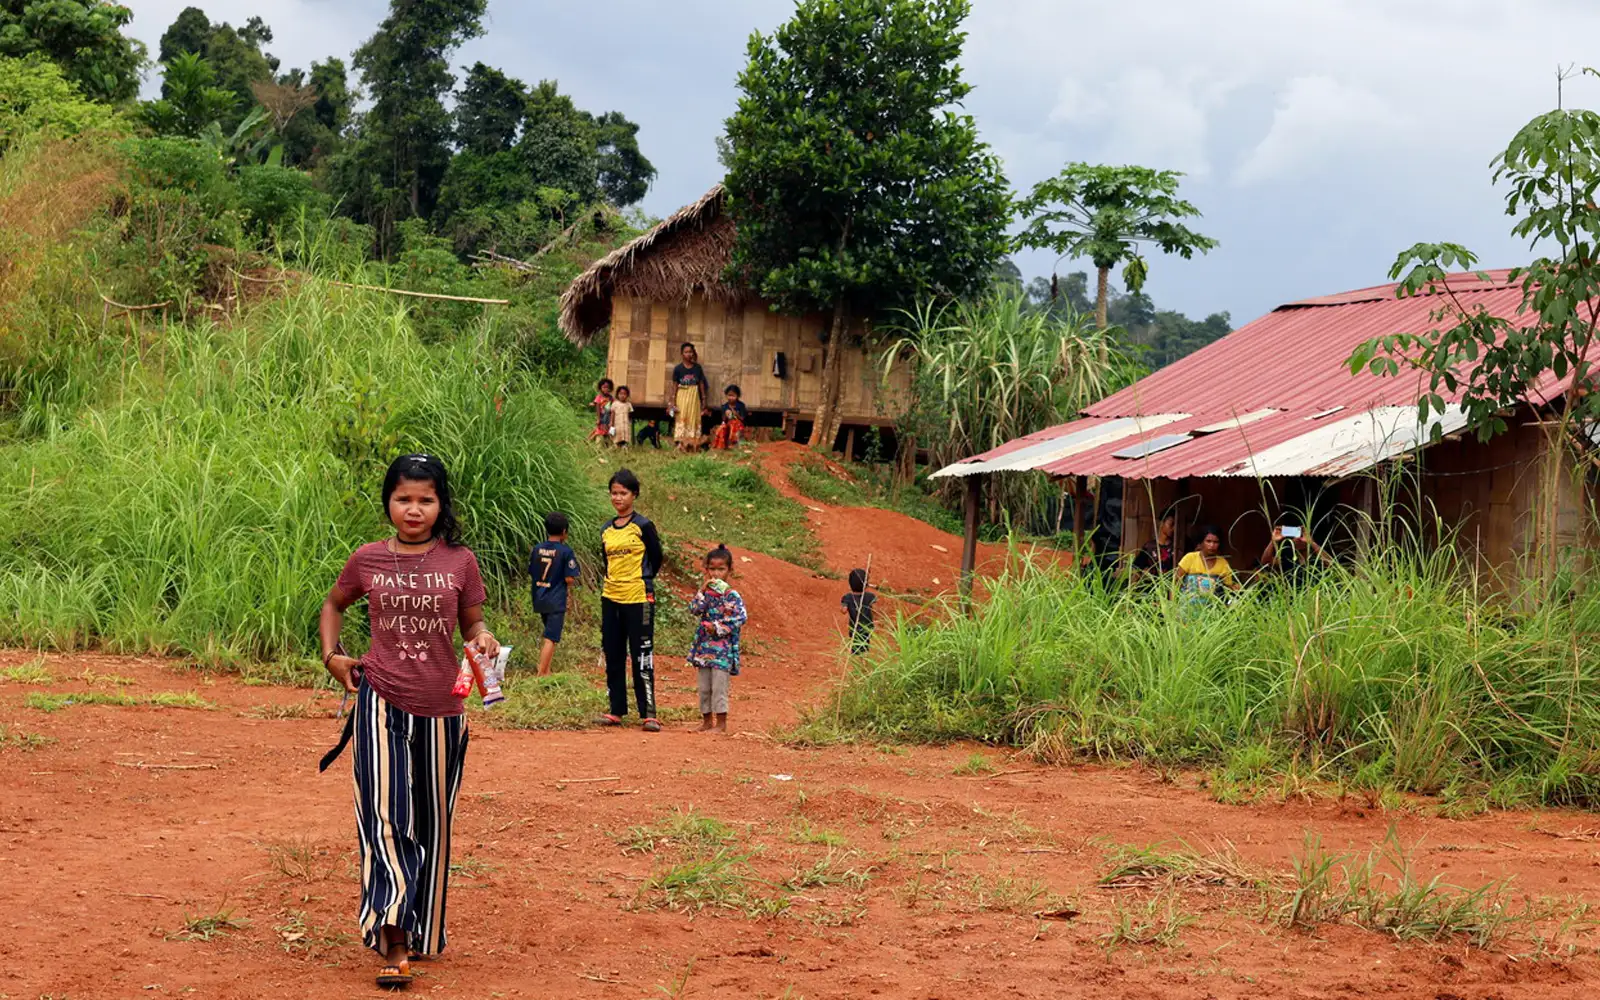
[(1289, 532)]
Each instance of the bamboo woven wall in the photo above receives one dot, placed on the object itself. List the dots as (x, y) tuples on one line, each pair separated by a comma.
[(737, 343)]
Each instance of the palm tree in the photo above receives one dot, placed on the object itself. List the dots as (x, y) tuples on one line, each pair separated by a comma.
[(1104, 213)]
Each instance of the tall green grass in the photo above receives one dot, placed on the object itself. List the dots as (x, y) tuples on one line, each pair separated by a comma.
[(205, 503), (1395, 675)]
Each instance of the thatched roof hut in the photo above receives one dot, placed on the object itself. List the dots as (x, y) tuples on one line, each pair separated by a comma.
[(670, 285), (683, 255)]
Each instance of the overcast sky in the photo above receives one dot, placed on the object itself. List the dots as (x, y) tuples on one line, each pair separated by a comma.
[(1320, 137)]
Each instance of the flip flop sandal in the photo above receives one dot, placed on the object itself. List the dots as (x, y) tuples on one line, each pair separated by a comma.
[(392, 977), (608, 720), (652, 726)]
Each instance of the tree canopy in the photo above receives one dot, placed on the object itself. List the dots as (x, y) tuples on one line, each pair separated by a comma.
[(855, 183), (1104, 213), (83, 37)]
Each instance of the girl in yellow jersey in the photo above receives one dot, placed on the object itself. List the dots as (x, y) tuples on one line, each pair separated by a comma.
[(630, 553)]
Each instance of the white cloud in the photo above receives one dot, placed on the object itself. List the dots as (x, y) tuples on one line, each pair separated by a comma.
[(1319, 119)]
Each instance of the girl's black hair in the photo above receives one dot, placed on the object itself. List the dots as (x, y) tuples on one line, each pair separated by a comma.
[(720, 552), (1209, 529), (419, 468), (858, 581), (623, 389), (733, 389), (688, 347), (625, 479), (603, 383)]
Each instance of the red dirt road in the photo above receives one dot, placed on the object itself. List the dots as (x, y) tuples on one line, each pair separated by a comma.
[(905, 878)]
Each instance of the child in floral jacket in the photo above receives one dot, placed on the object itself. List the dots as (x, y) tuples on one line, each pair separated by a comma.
[(715, 652)]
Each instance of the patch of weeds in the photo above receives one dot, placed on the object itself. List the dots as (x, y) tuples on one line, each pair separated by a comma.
[(920, 889), (565, 699), (1147, 867), (1158, 920), (1013, 826), (471, 867), (833, 869), (803, 831), (208, 926), (16, 739), (55, 702), (721, 879), (1005, 894), (814, 730), (32, 672), (1336, 888), (106, 680), (678, 986), (691, 831), (1247, 775), (294, 710), (974, 766), (300, 859), (296, 935)]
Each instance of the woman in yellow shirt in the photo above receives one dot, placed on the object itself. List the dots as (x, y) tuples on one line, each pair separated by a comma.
[(1202, 572)]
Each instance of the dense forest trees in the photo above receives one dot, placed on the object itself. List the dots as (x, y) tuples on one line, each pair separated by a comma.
[(486, 164)]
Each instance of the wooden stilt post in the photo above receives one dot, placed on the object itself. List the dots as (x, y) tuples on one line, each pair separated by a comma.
[(850, 444), (1080, 485), (969, 541)]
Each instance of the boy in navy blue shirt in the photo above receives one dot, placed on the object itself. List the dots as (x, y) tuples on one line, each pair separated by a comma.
[(553, 567)]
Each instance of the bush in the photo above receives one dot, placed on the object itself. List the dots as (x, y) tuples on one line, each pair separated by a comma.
[(271, 196), (207, 510), (1395, 673), (36, 97)]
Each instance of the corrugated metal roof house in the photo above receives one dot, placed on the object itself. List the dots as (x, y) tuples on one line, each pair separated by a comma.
[(1270, 416)]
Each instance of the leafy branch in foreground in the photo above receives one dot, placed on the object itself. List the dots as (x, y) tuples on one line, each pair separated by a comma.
[(1496, 363)]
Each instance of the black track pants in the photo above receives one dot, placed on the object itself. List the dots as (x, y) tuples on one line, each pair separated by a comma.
[(629, 630)]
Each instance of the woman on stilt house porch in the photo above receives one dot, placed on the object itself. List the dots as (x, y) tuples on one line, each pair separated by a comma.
[(689, 403)]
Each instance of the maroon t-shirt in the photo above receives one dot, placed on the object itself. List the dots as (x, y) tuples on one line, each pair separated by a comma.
[(413, 601)]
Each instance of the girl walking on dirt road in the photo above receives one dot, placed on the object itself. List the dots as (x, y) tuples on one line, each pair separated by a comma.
[(410, 735), (630, 554)]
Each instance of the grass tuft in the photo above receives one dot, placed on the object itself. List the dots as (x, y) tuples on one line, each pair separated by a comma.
[(55, 702)]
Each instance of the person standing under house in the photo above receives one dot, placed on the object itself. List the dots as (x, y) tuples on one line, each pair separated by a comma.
[(1158, 557), (689, 403), (715, 653), (630, 554), (409, 730), (1293, 555), (1205, 571), (553, 567), (731, 430), (622, 418)]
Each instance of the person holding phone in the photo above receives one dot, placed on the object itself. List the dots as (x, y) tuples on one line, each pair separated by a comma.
[(1293, 553)]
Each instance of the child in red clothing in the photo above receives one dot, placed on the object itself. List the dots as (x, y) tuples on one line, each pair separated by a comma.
[(602, 411), (731, 429)]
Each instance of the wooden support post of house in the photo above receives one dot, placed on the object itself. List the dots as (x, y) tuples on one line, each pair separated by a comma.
[(850, 444), (969, 540), (1080, 486)]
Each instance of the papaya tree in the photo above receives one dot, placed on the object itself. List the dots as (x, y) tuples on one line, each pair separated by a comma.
[(855, 183), (1105, 213)]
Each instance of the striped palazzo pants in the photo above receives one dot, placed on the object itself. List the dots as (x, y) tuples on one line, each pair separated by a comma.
[(407, 774)]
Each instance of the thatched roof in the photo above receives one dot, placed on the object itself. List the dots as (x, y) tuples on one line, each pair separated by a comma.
[(686, 253)]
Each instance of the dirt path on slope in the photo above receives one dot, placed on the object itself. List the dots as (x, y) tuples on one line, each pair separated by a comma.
[(149, 851)]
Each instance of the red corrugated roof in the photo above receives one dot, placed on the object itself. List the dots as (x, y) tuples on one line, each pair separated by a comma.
[(1291, 360)]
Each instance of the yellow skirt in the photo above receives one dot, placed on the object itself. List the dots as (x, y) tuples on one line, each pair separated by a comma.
[(687, 425)]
